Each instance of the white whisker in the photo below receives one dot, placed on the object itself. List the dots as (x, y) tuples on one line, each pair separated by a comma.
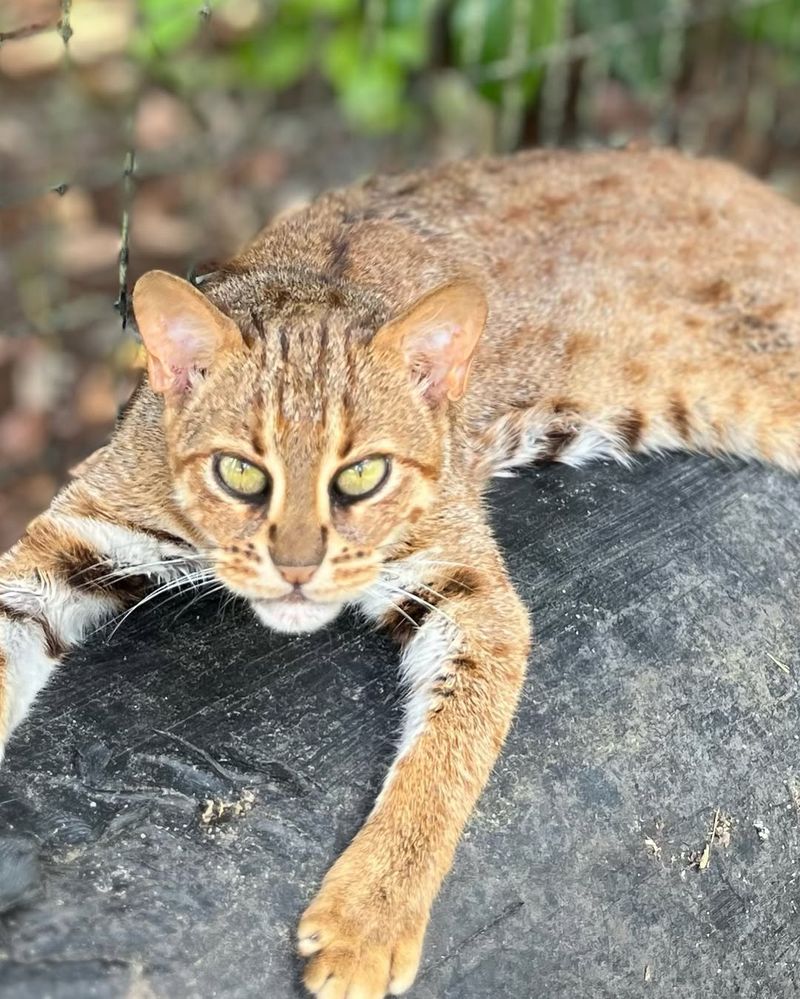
[(192, 580), (400, 591), (400, 610)]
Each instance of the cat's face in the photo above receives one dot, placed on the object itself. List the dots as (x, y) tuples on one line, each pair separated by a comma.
[(300, 473), (302, 458)]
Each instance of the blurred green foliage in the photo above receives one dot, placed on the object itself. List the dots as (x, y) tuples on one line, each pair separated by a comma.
[(486, 31), (371, 53)]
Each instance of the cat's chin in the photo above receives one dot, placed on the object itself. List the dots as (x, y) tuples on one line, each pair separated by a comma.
[(295, 617)]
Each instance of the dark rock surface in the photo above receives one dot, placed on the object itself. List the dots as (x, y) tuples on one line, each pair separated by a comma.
[(654, 705)]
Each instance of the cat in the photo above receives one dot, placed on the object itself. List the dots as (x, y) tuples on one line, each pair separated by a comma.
[(320, 419)]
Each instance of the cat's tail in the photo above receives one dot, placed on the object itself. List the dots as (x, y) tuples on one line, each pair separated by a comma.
[(549, 432), (756, 422)]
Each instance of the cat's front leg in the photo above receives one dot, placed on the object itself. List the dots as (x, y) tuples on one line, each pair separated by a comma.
[(466, 644), (77, 564)]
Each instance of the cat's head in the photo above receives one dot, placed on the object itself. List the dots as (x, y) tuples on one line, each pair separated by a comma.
[(301, 453)]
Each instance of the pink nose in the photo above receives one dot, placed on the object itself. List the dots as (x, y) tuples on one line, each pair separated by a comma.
[(297, 574)]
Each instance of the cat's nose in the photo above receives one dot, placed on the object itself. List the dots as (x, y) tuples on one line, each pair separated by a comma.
[(297, 574)]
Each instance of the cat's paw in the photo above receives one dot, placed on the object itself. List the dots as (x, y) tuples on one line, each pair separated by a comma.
[(358, 947)]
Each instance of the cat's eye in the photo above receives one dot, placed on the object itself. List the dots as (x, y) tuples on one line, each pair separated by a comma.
[(358, 481), (241, 478)]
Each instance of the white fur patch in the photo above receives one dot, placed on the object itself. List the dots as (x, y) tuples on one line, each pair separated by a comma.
[(293, 617), (70, 611), (379, 598), (592, 443), (28, 668), (522, 439), (425, 657), (423, 660), (120, 544)]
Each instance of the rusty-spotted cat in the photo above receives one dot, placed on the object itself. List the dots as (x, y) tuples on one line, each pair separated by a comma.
[(320, 419)]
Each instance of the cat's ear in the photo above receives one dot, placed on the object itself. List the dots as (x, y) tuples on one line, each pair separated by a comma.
[(436, 338), (182, 331)]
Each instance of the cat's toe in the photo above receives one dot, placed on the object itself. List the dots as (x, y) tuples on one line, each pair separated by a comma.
[(351, 962), (349, 972), (405, 964)]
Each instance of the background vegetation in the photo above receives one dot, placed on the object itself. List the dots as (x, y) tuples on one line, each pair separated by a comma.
[(141, 133)]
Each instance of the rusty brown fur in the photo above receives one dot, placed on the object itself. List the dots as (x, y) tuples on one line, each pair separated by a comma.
[(637, 301)]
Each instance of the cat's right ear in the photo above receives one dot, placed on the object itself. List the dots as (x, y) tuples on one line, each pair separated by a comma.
[(182, 331)]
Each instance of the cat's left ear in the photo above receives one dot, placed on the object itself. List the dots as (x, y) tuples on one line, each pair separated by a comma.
[(181, 329), (437, 338)]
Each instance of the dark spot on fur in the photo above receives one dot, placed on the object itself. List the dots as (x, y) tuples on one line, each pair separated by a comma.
[(463, 664), (409, 614), (444, 686), (340, 249), (461, 582), (272, 533), (425, 470), (630, 428), (404, 620), (284, 341), (553, 204), (679, 417), (53, 645), (346, 446), (81, 567), (607, 183), (564, 406), (164, 537), (715, 293), (556, 442), (704, 215), (500, 651)]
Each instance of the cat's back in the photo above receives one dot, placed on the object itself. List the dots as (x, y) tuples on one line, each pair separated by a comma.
[(534, 205), (535, 223)]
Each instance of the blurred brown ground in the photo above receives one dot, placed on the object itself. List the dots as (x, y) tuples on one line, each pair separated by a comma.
[(211, 167)]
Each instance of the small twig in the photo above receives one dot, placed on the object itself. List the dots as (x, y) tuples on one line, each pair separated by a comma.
[(778, 663), (122, 304), (27, 31), (64, 27), (705, 856), (206, 757), (620, 33)]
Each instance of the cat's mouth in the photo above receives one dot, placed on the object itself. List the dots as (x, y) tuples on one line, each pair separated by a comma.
[(295, 613)]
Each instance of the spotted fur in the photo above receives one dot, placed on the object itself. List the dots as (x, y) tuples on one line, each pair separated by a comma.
[(603, 305)]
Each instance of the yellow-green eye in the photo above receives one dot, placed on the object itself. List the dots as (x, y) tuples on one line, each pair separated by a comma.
[(361, 480), (239, 477)]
